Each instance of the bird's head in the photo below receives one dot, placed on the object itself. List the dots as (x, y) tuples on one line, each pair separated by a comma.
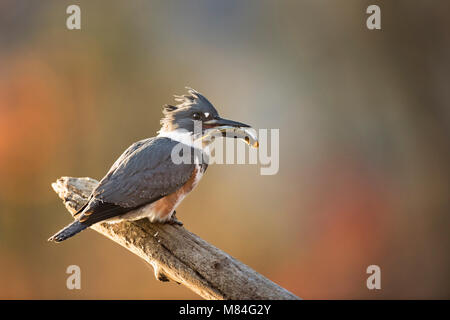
[(192, 111)]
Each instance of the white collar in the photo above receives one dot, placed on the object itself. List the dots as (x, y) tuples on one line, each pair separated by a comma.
[(182, 136)]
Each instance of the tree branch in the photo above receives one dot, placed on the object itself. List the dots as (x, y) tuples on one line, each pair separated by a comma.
[(177, 254)]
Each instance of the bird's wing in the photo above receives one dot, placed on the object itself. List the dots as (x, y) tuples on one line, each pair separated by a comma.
[(144, 174), (128, 152), (116, 164)]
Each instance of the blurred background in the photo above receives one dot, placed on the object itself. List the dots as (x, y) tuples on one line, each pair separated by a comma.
[(364, 121)]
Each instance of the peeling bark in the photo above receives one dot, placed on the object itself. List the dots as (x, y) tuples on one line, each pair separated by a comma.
[(177, 254)]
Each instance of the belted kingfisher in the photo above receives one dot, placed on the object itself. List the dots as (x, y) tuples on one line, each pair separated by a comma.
[(145, 182)]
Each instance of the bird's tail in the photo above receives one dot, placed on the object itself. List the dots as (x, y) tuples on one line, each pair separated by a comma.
[(68, 231)]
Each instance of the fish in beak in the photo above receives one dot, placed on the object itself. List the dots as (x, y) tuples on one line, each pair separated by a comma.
[(230, 129)]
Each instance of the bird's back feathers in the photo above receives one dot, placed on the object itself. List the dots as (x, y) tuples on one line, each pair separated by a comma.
[(143, 174)]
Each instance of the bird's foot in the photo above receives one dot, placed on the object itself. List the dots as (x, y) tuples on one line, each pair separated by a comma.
[(174, 220)]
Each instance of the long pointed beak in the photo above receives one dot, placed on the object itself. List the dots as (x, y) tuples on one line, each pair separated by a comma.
[(230, 128), (219, 122)]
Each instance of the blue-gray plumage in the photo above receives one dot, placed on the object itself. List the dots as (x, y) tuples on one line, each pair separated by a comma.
[(145, 181), (144, 175)]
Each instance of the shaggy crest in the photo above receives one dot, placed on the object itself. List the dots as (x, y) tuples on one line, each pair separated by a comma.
[(186, 101)]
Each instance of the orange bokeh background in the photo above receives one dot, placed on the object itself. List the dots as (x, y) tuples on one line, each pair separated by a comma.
[(364, 126)]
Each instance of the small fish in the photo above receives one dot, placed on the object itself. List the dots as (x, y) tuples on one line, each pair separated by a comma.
[(246, 134)]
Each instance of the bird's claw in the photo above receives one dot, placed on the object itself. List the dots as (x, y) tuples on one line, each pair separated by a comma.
[(174, 220)]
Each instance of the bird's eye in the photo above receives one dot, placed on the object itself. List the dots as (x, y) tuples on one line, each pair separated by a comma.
[(196, 116)]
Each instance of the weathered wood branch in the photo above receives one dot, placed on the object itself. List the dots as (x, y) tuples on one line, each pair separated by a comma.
[(177, 254)]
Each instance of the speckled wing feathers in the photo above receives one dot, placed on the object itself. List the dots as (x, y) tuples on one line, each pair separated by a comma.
[(144, 173)]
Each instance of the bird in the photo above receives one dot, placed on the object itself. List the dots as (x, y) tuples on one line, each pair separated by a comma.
[(145, 181)]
